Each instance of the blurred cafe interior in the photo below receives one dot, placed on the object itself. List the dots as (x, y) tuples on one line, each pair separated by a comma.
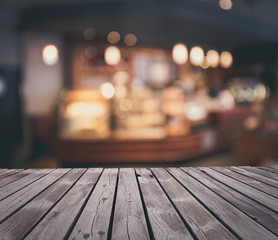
[(114, 83)]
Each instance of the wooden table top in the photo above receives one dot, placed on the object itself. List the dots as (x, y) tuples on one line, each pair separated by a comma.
[(126, 203)]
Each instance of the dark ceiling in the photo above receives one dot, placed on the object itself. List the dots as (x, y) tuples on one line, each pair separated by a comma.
[(155, 23)]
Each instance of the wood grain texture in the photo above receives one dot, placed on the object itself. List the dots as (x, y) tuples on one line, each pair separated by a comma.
[(257, 195), (253, 209), (173, 203), (203, 224), (19, 224), (20, 198), (273, 191), (164, 220), (256, 176), (58, 221), (17, 176), (241, 224), (129, 218), (16, 186), (262, 172), (95, 218), (9, 172)]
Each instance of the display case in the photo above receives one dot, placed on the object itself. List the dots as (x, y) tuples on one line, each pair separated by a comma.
[(83, 114)]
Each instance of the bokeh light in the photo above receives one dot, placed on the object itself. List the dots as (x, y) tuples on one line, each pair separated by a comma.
[(180, 53), (121, 77), (90, 51), (89, 34), (213, 58), (205, 64), (196, 56), (107, 90), (113, 37), (226, 4), (130, 39), (226, 59), (50, 54), (112, 55)]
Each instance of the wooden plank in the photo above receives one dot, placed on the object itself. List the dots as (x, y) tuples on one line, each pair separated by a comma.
[(254, 210), (164, 220), (57, 223), (269, 169), (9, 172), (256, 176), (16, 186), (19, 224), (94, 221), (241, 224), (15, 201), (262, 172), (257, 195), (249, 181), (203, 224), (129, 220), (17, 176)]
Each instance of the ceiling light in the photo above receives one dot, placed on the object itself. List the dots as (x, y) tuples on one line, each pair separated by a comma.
[(196, 56), (180, 53)]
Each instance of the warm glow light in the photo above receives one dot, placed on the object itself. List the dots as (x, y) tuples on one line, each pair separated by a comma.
[(85, 109), (113, 37), (260, 92), (205, 63), (226, 4), (130, 39), (89, 34), (195, 112), (213, 58), (196, 56), (125, 105), (50, 54), (121, 77), (226, 59), (251, 123), (112, 55), (107, 90), (226, 99), (180, 53), (159, 73)]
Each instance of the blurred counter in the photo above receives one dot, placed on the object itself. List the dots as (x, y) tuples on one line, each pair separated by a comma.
[(218, 135)]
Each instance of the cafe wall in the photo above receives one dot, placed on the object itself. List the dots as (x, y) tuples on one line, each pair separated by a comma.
[(41, 83)]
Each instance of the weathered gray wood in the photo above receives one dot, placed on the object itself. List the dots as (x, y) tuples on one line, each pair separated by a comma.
[(16, 186), (15, 177), (94, 220), (20, 198), (9, 172), (270, 169), (262, 172), (202, 222), (256, 176), (59, 205), (254, 210), (249, 181), (19, 224), (164, 220), (129, 219), (261, 197), (56, 224), (241, 224)]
